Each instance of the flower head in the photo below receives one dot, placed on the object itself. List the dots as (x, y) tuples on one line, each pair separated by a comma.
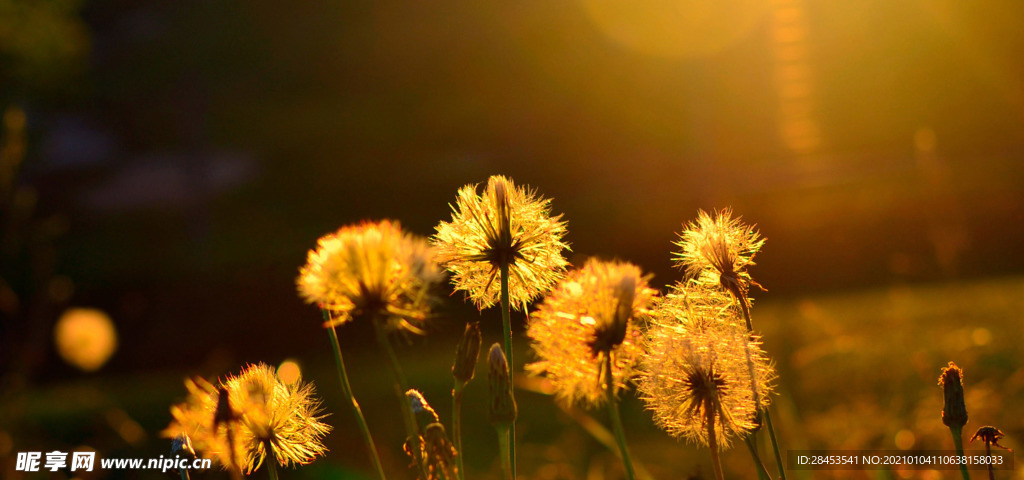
[(693, 376), (954, 411), (250, 416), (592, 313), (371, 269), (717, 250), (990, 435), (507, 225)]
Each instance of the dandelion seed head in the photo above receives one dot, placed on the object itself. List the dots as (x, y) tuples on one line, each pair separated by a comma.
[(595, 311), (691, 376), (505, 224), (371, 269), (717, 250), (238, 421)]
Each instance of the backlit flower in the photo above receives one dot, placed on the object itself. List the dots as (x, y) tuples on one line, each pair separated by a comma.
[(371, 269), (718, 250), (593, 312), (251, 416), (693, 376), (506, 225)]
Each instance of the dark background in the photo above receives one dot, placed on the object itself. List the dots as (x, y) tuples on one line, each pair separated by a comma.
[(180, 157)]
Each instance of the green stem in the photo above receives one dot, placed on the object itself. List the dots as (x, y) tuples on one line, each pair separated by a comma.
[(457, 426), (408, 416), (184, 474), (716, 462), (504, 435), (742, 299), (613, 409), (988, 455), (506, 328), (958, 443), (346, 388), (775, 443), (271, 461), (762, 473)]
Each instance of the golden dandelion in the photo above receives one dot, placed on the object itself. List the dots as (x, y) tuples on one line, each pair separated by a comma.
[(594, 312), (717, 250), (695, 306), (506, 225), (250, 417), (692, 377), (371, 269)]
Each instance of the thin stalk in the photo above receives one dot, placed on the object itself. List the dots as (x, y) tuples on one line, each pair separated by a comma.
[(184, 474), (742, 299), (613, 410), (408, 416), (457, 426), (762, 473), (958, 443), (506, 462), (346, 388), (271, 461), (506, 329), (988, 455), (716, 462)]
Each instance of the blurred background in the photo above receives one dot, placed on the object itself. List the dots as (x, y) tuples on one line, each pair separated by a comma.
[(166, 165)]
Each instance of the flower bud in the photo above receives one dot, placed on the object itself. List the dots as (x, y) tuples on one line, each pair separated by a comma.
[(467, 354), (502, 404), (954, 412)]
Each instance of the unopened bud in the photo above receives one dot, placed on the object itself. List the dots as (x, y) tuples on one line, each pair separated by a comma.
[(502, 403), (954, 412), (467, 354), (425, 414)]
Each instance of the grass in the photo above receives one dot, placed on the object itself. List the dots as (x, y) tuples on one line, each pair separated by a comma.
[(862, 366)]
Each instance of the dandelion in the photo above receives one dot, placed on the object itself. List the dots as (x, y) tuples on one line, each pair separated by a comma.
[(507, 225), (467, 354), (251, 417), (698, 383), (506, 234), (990, 436), (718, 250), (594, 312), (374, 270)]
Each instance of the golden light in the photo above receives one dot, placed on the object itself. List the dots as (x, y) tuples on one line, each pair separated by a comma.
[(85, 338), (905, 439), (289, 372), (674, 29)]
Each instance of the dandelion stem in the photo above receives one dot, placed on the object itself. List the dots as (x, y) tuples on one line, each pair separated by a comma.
[(958, 443), (184, 474), (504, 435), (506, 329), (408, 416), (346, 388), (457, 425), (716, 462), (743, 301), (271, 461), (762, 473), (988, 454), (613, 410)]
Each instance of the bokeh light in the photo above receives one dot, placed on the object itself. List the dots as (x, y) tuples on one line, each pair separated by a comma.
[(289, 372), (85, 338)]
